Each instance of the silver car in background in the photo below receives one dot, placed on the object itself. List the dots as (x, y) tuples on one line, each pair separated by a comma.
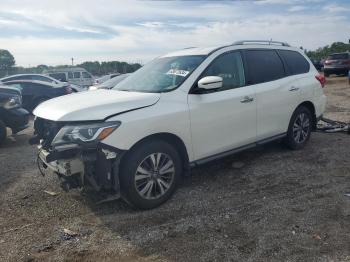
[(110, 83)]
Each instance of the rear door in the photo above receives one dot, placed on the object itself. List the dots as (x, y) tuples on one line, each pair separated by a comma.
[(86, 79), (276, 94), (225, 118), (77, 78)]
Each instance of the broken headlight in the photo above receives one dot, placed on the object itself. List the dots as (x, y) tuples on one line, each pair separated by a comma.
[(84, 133)]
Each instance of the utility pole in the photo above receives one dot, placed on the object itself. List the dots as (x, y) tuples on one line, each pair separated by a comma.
[(72, 61)]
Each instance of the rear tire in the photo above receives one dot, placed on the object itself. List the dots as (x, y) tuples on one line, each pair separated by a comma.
[(299, 129), (3, 132), (150, 173)]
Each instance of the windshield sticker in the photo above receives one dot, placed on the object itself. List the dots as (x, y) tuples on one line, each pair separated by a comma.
[(178, 72)]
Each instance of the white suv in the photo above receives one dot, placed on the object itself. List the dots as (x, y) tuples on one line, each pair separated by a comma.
[(179, 110)]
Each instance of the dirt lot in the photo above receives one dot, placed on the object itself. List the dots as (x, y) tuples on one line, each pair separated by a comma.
[(272, 204)]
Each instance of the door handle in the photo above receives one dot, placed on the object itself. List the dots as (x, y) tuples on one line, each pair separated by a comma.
[(247, 99), (293, 88)]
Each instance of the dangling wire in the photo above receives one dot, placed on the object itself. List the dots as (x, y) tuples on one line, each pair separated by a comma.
[(38, 162)]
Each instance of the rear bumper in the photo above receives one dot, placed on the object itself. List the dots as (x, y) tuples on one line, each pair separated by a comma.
[(320, 106), (17, 118)]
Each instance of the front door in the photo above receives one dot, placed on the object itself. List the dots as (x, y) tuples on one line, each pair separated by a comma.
[(225, 118)]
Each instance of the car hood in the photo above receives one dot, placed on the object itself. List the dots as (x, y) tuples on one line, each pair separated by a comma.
[(97, 105)]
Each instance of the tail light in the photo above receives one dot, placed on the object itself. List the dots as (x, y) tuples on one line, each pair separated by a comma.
[(321, 79), (327, 62), (68, 90)]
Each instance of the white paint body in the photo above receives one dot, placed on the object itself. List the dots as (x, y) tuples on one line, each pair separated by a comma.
[(208, 124)]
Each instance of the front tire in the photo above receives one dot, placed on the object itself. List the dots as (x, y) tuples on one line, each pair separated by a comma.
[(3, 132), (299, 129), (150, 173)]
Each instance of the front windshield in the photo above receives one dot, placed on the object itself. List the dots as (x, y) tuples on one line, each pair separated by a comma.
[(161, 74)]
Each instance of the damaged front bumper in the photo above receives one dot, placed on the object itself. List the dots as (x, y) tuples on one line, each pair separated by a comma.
[(83, 167)]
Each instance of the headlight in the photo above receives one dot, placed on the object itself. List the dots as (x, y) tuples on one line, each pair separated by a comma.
[(11, 102), (84, 133)]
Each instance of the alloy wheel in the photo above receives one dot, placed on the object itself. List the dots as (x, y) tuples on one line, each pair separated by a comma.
[(154, 175), (301, 128)]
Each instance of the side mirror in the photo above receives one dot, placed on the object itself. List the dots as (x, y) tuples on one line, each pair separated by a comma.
[(210, 82)]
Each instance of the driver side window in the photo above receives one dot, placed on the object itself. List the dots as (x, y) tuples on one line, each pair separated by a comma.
[(229, 66)]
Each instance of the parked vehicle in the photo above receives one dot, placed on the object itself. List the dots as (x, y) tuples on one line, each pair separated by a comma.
[(12, 115), (74, 75), (38, 77), (103, 79), (338, 64), (110, 83), (317, 64), (43, 78), (180, 110), (35, 92)]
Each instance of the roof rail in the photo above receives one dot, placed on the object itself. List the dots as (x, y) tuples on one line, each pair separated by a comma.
[(261, 42)]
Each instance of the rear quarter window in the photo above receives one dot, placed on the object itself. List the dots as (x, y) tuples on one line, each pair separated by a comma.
[(59, 76), (264, 66), (295, 62)]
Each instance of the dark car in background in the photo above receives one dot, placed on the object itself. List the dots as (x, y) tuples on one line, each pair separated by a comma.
[(318, 64), (43, 78), (35, 92), (12, 115), (338, 63)]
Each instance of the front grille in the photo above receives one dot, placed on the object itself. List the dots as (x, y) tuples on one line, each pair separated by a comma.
[(46, 130)]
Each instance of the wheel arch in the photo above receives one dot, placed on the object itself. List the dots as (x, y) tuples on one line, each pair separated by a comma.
[(173, 140), (309, 105)]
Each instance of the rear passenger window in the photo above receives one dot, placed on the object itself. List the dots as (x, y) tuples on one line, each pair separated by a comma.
[(229, 66), (295, 62), (264, 66), (41, 78), (59, 76), (76, 74), (86, 75)]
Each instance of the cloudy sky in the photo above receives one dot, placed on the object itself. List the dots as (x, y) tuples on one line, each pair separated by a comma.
[(51, 32)]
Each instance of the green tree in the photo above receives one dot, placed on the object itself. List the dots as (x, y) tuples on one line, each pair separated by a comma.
[(7, 61), (323, 52)]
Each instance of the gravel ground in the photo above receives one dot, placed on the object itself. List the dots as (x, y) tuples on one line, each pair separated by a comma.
[(267, 204)]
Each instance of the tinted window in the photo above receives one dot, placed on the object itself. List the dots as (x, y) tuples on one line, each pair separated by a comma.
[(70, 75), (16, 85), (76, 74), (264, 66), (42, 78), (86, 75), (59, 76), (295, 62), (16, 78), (338, 56), (230, 67)]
